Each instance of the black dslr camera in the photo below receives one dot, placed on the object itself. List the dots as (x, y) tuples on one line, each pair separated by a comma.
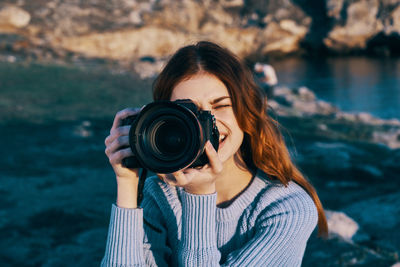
[(167, 136)]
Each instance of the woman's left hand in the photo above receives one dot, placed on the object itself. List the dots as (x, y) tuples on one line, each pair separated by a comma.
[(198, 181)]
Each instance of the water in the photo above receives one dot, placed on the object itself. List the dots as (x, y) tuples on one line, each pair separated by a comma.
[(354, 84), (30, 92)]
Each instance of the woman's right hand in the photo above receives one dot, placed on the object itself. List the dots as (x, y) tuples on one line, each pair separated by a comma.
[(117, 145), (117, 148)]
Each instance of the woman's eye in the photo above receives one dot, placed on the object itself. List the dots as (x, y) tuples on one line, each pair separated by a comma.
[(222, 106)]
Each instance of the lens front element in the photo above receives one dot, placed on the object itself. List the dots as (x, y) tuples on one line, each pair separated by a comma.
[(167, 137)]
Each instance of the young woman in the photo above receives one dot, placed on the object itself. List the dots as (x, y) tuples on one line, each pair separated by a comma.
[(249, 206)]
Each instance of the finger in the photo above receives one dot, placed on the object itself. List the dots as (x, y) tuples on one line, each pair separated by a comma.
[(165, 178), (180, 178), (170, 179), (190, 173), (120, 131), (116, 158), (213, 158), (119, 143), (122, 115)]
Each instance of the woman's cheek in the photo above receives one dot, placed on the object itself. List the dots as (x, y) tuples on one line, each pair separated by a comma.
[(224, 114)]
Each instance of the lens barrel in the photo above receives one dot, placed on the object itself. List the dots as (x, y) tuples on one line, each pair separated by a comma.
[(166, 137)]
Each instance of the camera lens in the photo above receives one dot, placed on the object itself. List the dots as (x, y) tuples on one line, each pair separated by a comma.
[(169, 138), (166, 137)]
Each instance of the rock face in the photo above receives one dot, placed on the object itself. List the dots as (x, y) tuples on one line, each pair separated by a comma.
[(360, 25), (127, 29)]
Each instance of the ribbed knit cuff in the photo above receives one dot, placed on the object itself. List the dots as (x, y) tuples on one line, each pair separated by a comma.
[(198, 221), (125, 237)]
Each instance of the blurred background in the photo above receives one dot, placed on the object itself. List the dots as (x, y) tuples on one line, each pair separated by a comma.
[(66, 68)]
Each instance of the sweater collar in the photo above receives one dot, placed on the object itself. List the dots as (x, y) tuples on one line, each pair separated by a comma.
[(235, 209)]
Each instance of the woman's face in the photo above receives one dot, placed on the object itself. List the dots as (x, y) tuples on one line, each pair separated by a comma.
[(209, 93)]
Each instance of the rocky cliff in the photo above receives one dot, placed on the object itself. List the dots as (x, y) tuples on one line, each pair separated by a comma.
[(129, 29)]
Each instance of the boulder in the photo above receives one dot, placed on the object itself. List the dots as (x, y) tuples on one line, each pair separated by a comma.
[(341, 225), (390, 137), (324, 119), (380, 218), (361, 24), (334, 8), (299, 102), (283, 37), (13, 17), (392, 22), (147, 68)]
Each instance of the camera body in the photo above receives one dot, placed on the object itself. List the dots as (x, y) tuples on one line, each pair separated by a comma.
[(167, 136)]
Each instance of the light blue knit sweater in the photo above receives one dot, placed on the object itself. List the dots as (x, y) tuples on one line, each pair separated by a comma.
[(267, 225)]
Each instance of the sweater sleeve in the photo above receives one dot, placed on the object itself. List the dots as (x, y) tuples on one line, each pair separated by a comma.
[(198, 246), (282, 231), (134, 241), (125, 238)]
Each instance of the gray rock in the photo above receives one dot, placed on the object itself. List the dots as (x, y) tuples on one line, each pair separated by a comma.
[(147, 69), (334, 156), (341, 225), (300, 102), (380, 218), (14, 16), (383, 211), (327, 120)]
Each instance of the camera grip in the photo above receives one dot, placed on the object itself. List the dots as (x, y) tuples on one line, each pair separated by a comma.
[(131, 162)]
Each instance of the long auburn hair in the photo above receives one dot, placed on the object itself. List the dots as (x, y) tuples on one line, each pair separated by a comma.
[(263, 146)]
